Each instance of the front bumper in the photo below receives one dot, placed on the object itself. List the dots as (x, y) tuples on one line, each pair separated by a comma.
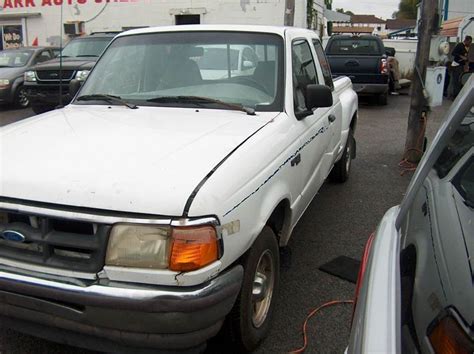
[(117, 316), (6, 95), (47, 94)]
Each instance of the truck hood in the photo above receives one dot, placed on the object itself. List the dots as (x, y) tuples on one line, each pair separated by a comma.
[(85, 63), (147, 160)]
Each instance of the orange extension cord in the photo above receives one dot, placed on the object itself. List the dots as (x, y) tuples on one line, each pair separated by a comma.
[(311, 314)]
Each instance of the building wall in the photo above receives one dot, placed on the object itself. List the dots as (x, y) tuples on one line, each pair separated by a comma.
[(115, 15), (457, 8), (375, 26)]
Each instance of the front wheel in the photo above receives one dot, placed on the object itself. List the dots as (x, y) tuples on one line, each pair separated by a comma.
[(249, 320), (342, 168), (21, 98)]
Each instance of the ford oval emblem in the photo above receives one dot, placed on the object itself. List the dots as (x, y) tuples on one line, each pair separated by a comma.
[(10, 235)]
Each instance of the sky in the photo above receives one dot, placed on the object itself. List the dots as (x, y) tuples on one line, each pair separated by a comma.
[(379, 8)]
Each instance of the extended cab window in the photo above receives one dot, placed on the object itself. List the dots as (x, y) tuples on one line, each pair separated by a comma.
[(323, 61), (304, 72)]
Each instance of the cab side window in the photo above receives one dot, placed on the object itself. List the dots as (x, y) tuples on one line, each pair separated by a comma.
[(45, 55), (324, 64), (304, 72)]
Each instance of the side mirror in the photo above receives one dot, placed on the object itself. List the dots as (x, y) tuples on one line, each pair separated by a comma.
[(389, 51), (74, 86), (317, 96)]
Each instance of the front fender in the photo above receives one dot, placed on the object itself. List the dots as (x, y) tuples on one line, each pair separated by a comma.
[(16, 83)]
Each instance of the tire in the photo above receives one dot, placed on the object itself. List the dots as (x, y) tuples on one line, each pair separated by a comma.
[(21, 99), (249, 321), (38, 109), (342, 168), (382, 99)]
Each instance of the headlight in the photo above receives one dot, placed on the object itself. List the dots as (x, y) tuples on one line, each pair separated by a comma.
[(30, 76), (82, 75), (140, 246), (4, 83), (162, 247)]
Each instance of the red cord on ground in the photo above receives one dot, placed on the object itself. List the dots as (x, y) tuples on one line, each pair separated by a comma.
[(311, 314)]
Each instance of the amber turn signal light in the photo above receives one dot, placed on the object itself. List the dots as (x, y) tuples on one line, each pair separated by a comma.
[(449, 337), (193, 248)]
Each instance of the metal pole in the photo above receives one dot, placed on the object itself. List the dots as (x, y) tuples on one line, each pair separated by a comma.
[(61, 58), (419, 105), (289, 12)]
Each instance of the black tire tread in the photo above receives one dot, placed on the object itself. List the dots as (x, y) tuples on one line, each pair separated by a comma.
[(247, 340)]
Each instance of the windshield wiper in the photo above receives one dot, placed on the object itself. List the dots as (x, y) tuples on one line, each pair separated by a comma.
[(201, 100), (107, 98)]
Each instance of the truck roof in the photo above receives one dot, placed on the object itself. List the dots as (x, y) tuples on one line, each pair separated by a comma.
[(280, 30)]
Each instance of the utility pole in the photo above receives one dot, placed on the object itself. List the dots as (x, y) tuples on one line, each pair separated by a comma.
[(289, 12), (419, 105)]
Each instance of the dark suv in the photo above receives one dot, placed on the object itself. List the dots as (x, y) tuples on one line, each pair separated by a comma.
[(43, 81)]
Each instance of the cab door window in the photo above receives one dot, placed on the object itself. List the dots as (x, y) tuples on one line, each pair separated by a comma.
[(304, 72), (324, 64)]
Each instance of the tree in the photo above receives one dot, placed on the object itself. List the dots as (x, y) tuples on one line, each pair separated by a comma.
[(348, 12), (407, 9)]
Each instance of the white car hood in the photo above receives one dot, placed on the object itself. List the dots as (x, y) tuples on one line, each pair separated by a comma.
[(147, 160)]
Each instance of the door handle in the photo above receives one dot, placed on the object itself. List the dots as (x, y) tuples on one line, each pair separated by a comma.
[(331, 118), (296, 160)]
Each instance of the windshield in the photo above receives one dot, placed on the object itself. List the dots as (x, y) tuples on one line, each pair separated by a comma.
[(234, 67), (15, 58), (85, 47), (355, 46)]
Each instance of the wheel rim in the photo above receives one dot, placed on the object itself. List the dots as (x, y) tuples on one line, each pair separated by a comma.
[(262, 288), (348, 155), (22, 98)]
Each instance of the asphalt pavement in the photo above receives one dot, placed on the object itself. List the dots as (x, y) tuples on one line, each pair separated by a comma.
[(338, 222)]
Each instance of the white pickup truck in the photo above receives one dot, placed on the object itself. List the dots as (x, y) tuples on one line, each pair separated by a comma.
[(149, 212)]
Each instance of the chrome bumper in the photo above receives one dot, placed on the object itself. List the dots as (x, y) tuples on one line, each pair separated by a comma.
[(121, 315)]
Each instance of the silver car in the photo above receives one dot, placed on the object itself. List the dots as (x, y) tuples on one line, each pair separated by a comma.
[(415, 292), (13, 64)]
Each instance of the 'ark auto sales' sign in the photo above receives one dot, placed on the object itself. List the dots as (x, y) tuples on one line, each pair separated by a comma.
[(16, 4)]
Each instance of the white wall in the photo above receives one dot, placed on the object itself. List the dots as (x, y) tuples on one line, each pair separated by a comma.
[(458, 8), (134, 13), (405, 52)]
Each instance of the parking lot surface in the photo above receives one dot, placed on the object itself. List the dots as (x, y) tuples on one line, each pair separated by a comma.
[(338, 222)]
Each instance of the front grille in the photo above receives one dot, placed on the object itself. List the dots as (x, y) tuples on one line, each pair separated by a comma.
[(53, 75), (58, 243)]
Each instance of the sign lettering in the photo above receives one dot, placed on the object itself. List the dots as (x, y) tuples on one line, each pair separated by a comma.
[(16, 4)]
